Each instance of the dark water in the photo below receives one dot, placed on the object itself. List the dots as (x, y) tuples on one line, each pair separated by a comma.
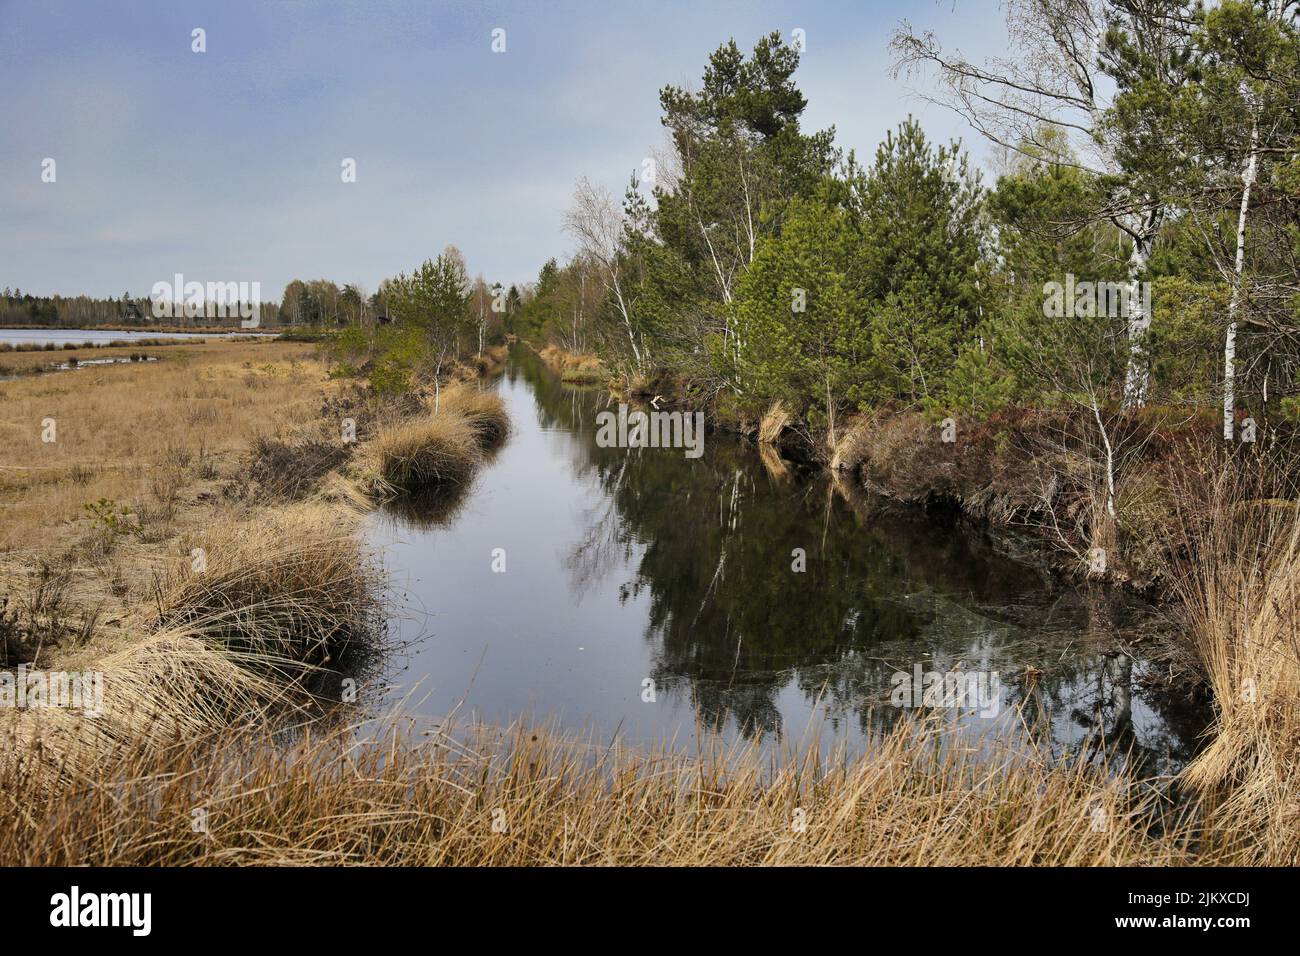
[(623, 566)]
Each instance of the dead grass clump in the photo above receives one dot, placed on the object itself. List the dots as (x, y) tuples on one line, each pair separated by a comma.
[(775, 421), (853, 447), (167, 687), (491, 360), (576, 368), (484, 410), (285, 592), (425, 454), (292, 470), (1240, 590), (34, 615)]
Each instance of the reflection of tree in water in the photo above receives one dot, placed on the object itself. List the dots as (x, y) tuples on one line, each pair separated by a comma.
[(732, 624)]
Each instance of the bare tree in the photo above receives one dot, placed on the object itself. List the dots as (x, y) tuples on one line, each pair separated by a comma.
[(597, 222)]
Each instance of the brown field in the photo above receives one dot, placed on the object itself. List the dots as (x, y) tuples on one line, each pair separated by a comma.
[(138, 433), (140, 472)]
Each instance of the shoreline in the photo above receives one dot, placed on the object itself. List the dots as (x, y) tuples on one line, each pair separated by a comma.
[(976, 812), (260, 583)]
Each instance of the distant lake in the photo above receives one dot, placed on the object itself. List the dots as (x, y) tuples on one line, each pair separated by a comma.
[(61, 337)]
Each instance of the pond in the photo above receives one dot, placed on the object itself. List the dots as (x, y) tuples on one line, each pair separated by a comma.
[(646, 595)]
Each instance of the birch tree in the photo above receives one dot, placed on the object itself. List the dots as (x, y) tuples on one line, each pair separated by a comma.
[(1063, 55), (1242, 121), (597, 222)]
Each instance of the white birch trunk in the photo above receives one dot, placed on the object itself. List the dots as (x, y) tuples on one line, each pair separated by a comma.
[(1234, 303), (1136, 376)]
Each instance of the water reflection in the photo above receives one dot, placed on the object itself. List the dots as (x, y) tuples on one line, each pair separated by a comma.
[(635, 564)]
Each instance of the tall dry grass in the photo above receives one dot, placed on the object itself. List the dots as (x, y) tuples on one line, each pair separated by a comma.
[(1239, 588), (526, 797), (576, 368), (428, 452), (122, 428), (293, 587), (774, 423), (483, 409), (280, 598), (432, 450)]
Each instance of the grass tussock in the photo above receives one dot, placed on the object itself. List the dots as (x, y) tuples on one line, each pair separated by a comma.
[(853, 446), (1240, 590), (576, 368), (774, 422), (914, 799), (435, 449), (423, 454), (483, 409), (272, 602), (491, 360), (293, 469), (292, 588)]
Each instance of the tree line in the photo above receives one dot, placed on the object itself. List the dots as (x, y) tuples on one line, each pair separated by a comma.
[(19, 309), (414, 325), (1144, 159)]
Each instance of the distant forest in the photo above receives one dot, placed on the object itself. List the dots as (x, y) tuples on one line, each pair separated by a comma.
[(20, 310)]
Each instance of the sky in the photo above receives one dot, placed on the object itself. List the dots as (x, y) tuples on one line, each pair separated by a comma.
[(226, 165)]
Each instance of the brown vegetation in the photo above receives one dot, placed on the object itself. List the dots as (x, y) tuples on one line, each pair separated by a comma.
[(914, 798), (574, 368), (192, 537)]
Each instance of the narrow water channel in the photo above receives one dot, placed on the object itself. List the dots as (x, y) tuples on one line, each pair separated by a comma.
[(629, 566)]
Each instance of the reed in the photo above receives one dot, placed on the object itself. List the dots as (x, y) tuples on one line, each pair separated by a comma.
[(775, 421), (576, 368), (1238, 588), (524, 796)]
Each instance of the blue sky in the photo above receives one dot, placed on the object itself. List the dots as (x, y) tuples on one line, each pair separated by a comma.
[(225, 166)]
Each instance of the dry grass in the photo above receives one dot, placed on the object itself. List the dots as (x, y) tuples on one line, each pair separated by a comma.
[(483, 409), (853, 446), (433, 451), (195, 664), (123, 431), (1240, 603), (402, 799), (775, 421), (576, 368), (425, 453), (491, 361), (144, 456), (294, 585), (153, 448), (278, 598)]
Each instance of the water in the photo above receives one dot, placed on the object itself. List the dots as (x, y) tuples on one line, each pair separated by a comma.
[(60, 337), (626, 566)]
